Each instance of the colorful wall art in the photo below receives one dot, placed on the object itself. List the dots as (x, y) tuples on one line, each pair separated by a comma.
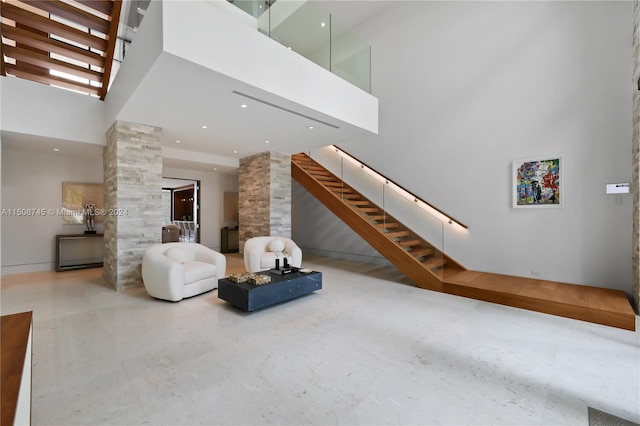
[(538, 182)]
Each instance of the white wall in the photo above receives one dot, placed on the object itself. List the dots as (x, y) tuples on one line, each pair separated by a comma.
[(213, 185), (465, 88), (41, 110), (33, 180)]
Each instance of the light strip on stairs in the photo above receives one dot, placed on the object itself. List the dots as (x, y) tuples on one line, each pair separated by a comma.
[(285, 109)]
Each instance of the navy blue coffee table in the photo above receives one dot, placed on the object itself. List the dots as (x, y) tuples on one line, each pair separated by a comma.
[(250, 297)]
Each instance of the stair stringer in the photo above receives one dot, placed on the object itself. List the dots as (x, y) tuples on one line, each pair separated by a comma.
[(391, 250)]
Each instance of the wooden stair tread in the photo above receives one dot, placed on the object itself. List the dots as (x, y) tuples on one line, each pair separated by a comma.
[(386, 225), (397, 234), (356, 202), (410, 243), (594, 304), (422, 251)]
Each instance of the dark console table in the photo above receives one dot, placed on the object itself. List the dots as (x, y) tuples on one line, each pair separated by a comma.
[(79, 251), (229, 240), (251, 297)]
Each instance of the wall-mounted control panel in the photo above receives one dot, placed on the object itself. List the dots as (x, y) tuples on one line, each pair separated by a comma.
[(618, 188)]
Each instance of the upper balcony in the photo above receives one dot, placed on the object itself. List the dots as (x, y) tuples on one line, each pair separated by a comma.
[(306, 28), (193, 64)]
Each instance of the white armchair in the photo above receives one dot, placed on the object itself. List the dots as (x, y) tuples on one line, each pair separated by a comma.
[(260, 253), (173, 271)]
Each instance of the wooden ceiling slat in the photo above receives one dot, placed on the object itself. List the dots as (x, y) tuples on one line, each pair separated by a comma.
[(103, 6), (27, 74), (111, 46), (41, 23), (50, 45), (2, 70), (45, 61), (73, 14)]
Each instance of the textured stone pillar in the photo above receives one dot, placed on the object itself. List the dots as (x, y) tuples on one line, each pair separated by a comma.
[(132, 198), (264, 198), (635, 154)]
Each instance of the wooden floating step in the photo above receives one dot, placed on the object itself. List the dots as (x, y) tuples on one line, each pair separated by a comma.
[(421, 252), (332, 183), (410, 243), (593, 304), (434, 263), (348, 195), (325, 178), (397, 234), (357, 202), (377, 217), (367, 209), (387, 225)]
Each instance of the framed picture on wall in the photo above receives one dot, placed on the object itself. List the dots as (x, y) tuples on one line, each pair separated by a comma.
[(538, 182)]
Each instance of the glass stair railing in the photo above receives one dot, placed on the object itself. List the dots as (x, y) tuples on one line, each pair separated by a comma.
[(307, 29), (412, 223)]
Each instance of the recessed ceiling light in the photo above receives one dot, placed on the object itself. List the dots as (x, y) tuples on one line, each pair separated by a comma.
[(322, 24), (204, 127), (243, 106), (260, 6), (310, 127), (289, 47), (235, 152), (266, 141), (56, 149), (214, 169), (178, 141)]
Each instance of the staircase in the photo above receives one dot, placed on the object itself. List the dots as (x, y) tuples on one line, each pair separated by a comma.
[(431, 269), (425, 265)]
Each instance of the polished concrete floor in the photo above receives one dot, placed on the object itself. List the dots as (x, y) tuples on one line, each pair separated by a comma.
[(368, 349)]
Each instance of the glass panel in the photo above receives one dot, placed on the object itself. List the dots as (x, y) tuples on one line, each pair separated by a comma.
[(350, 56), (303, 27), (424, 225), (254, 8), (395, 207)]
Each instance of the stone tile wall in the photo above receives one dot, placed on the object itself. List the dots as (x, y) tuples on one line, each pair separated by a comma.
[(635, 154), (133, 200), (264, 198)]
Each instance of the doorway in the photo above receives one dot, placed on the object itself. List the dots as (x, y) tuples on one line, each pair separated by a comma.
[(181, 207)]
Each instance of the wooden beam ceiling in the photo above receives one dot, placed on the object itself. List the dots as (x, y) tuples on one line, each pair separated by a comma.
[(74, 37)]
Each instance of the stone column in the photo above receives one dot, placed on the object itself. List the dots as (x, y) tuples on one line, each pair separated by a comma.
[(635, 153), (264, 198), (132, 198)]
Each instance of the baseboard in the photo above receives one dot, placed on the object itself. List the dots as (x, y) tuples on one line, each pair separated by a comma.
[(27, 268)]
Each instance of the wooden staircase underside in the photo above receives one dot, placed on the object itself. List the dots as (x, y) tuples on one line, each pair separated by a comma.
[(67, 43), (432, 270)]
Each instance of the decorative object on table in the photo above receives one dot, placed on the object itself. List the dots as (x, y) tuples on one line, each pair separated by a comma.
[(259, 279), (89, 217), (538, 182), (242, 277), (245, 277), (261, 255)]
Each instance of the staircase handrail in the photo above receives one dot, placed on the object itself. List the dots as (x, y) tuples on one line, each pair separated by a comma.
[(449, 219)]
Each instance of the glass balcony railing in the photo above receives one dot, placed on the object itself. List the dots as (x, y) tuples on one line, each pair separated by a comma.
[(307, 29)]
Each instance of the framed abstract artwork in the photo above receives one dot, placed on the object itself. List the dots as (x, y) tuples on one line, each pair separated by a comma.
[(538, 182), (75, 196)]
